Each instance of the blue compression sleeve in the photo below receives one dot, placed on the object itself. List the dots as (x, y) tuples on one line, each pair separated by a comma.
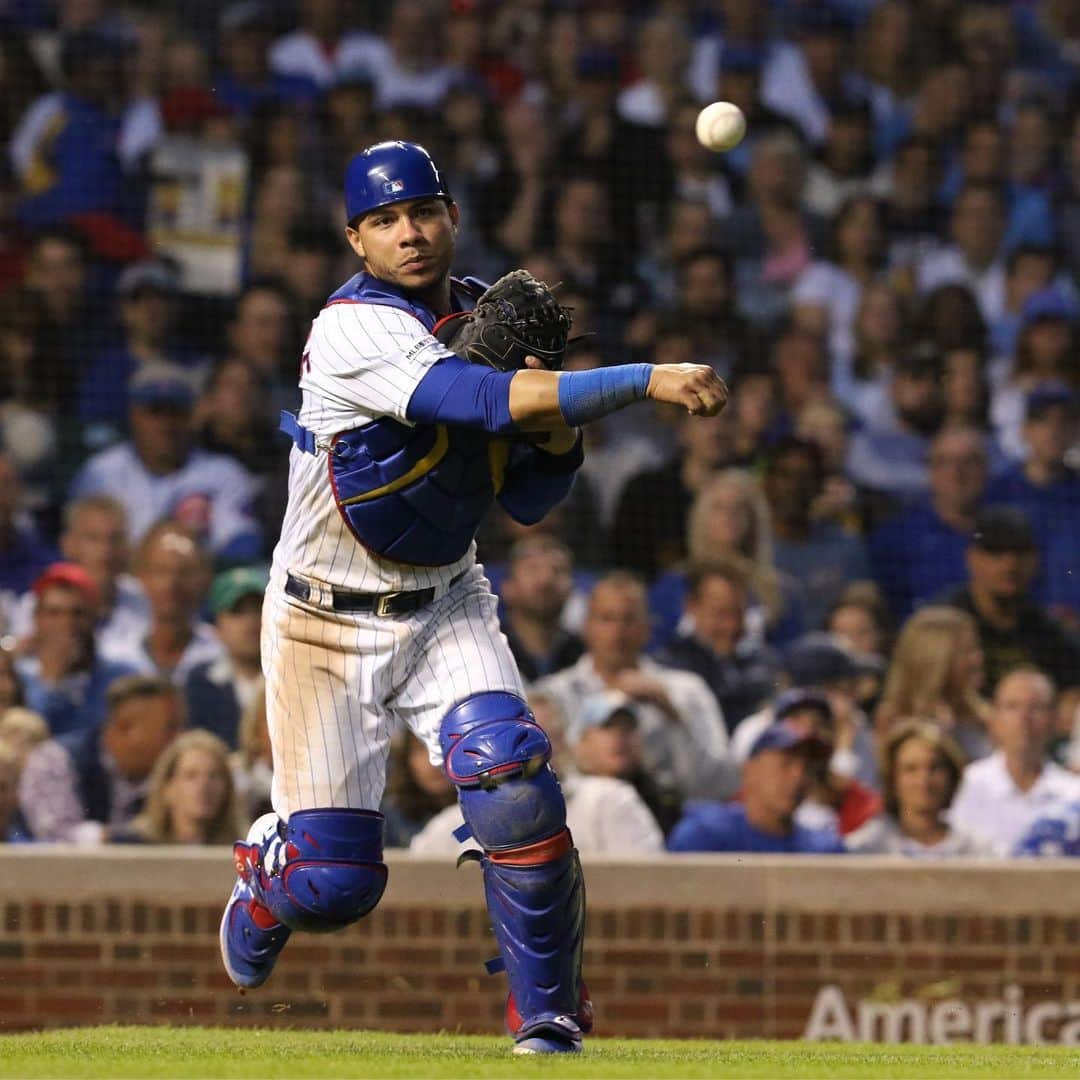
[(457, 392), (590, 395)]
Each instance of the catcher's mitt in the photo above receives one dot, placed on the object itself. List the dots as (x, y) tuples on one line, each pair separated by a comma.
[(516, 317)]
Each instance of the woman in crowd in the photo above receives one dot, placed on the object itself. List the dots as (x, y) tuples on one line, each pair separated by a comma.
[(921, 768), (730, 519), (192, 799), (937, 673)]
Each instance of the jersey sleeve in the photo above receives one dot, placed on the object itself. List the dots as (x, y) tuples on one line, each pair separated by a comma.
[(369, 357)]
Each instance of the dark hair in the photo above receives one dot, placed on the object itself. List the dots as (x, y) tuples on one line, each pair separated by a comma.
[(795, 444), (847, 209)]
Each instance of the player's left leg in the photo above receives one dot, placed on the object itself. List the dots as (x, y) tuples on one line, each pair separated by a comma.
[(316, 863), (498, 757)]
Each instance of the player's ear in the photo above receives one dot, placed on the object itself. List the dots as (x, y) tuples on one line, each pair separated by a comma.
[(454, 212), (353, 236)]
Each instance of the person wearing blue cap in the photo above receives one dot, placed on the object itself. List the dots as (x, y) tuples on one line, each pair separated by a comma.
[(1047, 489), (785, 761)]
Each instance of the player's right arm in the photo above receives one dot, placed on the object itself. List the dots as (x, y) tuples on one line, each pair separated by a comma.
[(455, 391)]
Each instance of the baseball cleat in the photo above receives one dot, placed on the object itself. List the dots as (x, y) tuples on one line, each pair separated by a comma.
[(555, 1035), (251, 938)]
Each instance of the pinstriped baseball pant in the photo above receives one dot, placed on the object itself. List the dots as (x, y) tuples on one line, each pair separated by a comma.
[(339, 684)]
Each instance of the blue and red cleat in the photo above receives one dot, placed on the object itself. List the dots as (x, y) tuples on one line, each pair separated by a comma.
[(251, 938)]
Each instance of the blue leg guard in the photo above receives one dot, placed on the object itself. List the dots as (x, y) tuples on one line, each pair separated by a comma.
[(326, 870), (497, 755), (320, 871)]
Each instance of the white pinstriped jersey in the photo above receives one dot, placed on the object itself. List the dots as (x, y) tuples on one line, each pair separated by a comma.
[(361, 361)]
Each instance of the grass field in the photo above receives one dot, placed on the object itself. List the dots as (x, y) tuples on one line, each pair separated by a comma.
[(220, 1052)]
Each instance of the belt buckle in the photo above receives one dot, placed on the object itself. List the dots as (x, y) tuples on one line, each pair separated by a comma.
[(381, 607)]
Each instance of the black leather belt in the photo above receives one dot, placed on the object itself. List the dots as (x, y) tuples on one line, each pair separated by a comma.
[(381, 604)]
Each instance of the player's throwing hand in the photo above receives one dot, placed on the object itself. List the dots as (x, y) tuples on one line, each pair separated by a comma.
[(695, 386)]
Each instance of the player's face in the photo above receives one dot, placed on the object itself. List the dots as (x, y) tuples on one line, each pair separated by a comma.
[(408, 244)]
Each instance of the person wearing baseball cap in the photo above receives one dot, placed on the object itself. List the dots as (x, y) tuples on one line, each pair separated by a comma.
[(64, 680), (785, 761), (1047, 489), (1002, 562), (218, 691)]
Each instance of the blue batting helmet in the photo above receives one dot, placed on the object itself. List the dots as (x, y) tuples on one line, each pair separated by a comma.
[(390, 172)]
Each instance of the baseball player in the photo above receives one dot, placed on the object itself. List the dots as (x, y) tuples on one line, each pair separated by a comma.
[(377, 613)]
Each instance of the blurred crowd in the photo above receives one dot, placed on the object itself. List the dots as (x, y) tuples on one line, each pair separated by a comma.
[(842, 616)]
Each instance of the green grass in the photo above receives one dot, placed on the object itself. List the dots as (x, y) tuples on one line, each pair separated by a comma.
[(266, 1054)]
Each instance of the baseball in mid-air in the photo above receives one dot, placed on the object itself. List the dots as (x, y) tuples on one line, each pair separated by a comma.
[(720, 126)]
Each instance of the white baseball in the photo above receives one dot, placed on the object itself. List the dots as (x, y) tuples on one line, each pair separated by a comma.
[(720, 126)]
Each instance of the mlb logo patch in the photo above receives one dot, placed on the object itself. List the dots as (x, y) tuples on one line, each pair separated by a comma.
[(392, 187)]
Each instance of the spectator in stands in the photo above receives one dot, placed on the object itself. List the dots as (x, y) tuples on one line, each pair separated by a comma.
[(663, 51), (1046, 351), (826, 298), (706, 307), (712, 642), (937, 673), (219, 690), (783, 764), (649, 534), (860, 620), (95, 537), (191, 798), (159, 474), (243, 81), (841, 173), (1002, 561), (76, 170), (800, 366), (416, 791), (819, 555), (252, 762), (609, 780), (82, 787), (966, 388), (1029, 269), (1001, 797), (921, 768), (64, 678), (604, 812), (1048, 492), (819, 665), (682, 728), (534, 592), (260, 334), (24, 552), (975, 257), (770, 237), (913, 215), (891, 454), (729, 520), (147, 292), (920, 553), (174, 572)]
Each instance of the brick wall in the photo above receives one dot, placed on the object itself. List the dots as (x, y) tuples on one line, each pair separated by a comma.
[(713, 946)]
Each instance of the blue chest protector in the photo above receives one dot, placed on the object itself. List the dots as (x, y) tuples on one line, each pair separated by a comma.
[(414, 494)]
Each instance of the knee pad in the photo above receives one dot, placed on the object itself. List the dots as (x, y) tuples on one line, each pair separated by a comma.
[(326, 871), (497, 756)]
